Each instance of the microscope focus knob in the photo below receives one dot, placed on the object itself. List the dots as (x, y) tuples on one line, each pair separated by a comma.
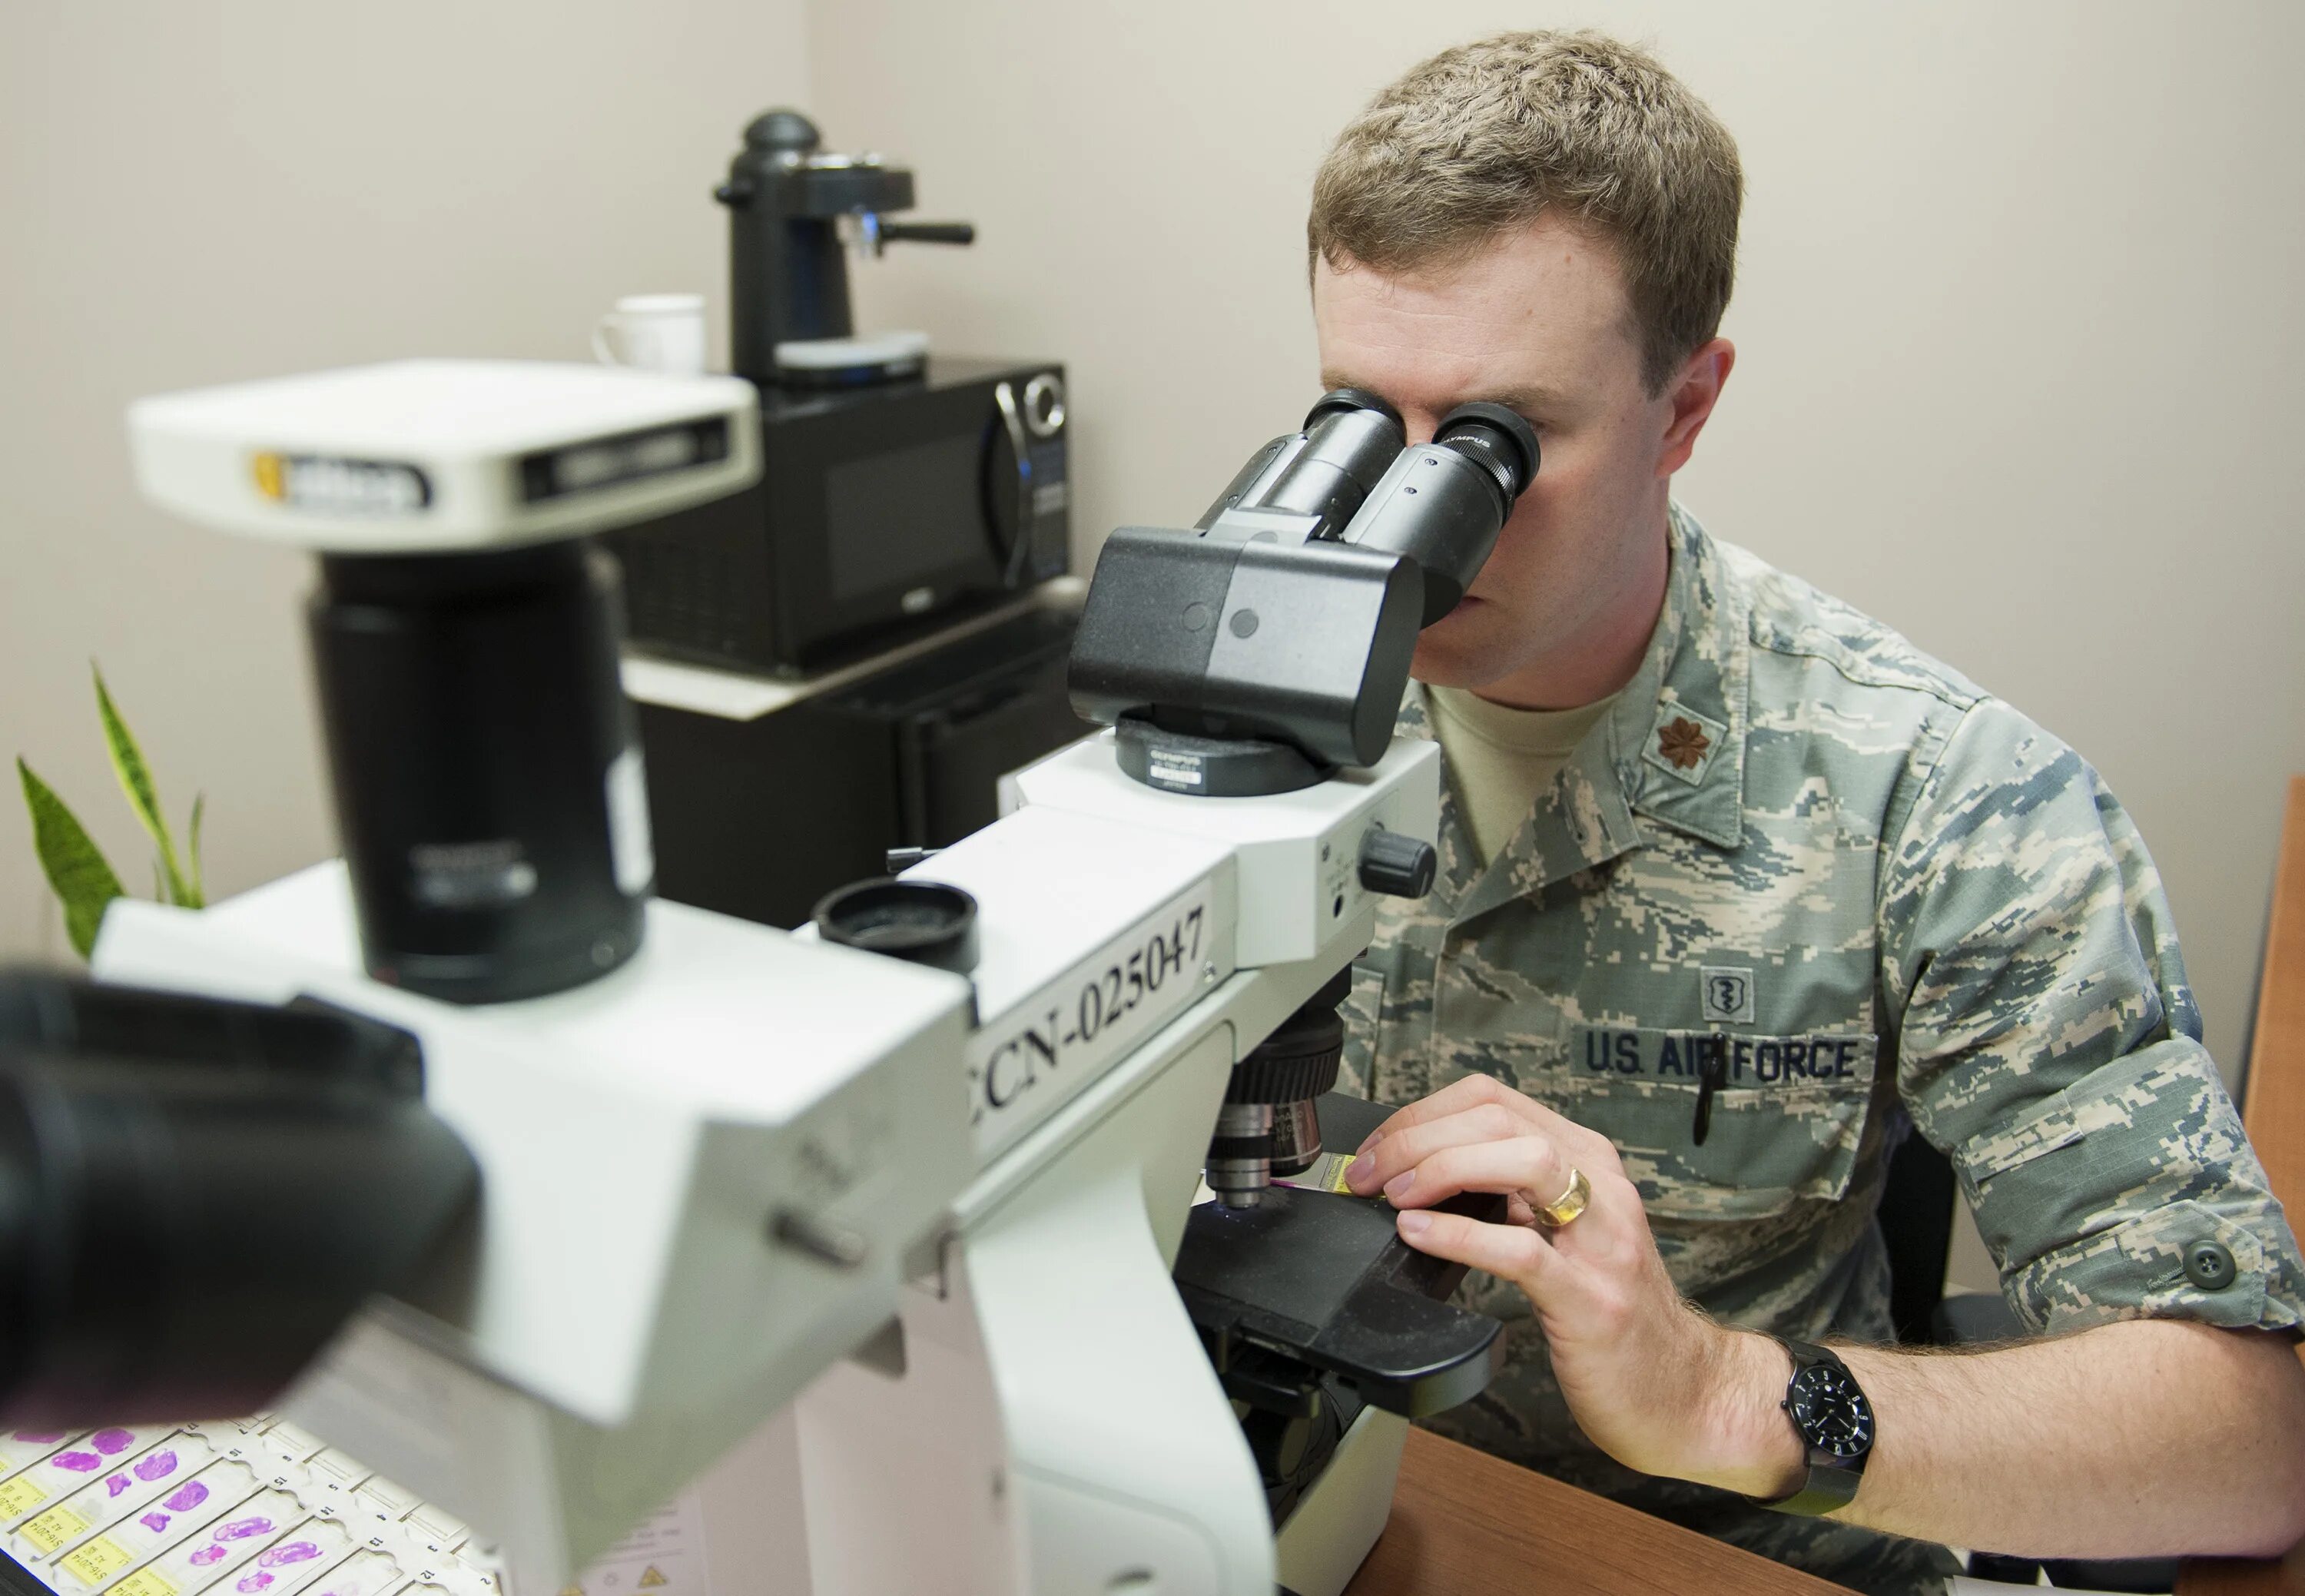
[(1396, 863)]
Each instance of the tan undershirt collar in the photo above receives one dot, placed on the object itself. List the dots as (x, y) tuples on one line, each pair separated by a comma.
[(1501, 758)]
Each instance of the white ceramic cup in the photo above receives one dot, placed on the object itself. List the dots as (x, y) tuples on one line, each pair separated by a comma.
[(655, 332)]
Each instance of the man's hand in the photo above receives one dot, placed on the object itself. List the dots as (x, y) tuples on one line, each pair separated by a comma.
[(1654, 1383), (2143, 1437)]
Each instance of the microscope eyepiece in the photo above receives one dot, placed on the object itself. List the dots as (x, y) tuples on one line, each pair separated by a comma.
[(1344, 400), (1442, 503), (1495, 438), (1308, 485)]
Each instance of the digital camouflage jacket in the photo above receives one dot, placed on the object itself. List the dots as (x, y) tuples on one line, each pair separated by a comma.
[(1802, 890)]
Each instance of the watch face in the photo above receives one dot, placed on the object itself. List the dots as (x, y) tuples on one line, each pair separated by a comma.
[(1830, 1412)]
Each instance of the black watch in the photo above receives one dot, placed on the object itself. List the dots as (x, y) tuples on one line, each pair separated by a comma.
[(1835, 1423)]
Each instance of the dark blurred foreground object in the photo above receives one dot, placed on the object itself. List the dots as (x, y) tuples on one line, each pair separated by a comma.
[(195, 1194)]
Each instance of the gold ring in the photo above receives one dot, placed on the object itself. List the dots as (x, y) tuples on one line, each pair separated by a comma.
[(1571, 1203)]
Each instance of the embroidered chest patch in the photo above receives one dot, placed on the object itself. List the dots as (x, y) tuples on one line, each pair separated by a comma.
[(1728, 994)]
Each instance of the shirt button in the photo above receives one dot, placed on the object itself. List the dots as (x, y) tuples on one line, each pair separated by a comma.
[(2209, 1266)]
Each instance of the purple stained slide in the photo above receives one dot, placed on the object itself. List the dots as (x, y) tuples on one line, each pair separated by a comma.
[(79, 1463), (112, 1442), (254, 1582), (189, 1495), (241, 1529), (159, 1466), (295, 1552), (116, 1484), (155, 1522)]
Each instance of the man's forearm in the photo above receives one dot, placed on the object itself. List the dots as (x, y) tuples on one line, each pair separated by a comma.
[(2137, 1438), (2147, 1437)]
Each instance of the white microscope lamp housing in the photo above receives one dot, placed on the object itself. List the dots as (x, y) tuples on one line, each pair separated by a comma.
[(441, 456)]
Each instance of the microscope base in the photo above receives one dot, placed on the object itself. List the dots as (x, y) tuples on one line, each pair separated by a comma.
[(1337, 1523)]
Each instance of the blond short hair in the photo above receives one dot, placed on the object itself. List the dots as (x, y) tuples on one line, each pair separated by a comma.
[(1483, 138)]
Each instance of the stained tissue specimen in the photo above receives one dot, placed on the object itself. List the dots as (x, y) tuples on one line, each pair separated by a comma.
[(188, 1496), (116, 1484), (238, 1529), (79, 1463), (111, 1442), (278, 1556), (159, 1466)]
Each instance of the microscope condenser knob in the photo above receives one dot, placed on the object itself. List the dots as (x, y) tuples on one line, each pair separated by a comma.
[(1396, 863)]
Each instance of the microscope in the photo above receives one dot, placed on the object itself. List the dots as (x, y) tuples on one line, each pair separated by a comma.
[(976, 1238)]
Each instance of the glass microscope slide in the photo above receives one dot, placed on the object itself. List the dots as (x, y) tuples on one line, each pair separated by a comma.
[(254, 1507)]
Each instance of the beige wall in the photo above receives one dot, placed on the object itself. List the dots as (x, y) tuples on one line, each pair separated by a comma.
[(2019, 315), (197, 192)]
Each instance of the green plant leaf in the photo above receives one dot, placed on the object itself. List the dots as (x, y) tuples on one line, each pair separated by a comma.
[(193, 851), (75, 867), (136, 781)]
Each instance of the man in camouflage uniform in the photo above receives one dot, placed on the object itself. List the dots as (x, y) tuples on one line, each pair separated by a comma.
[(1795, 890)]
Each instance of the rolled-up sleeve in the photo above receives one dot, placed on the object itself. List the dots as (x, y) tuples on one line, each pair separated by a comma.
[(2047, 1042)]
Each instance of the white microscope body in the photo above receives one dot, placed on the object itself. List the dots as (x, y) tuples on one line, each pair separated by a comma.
[(712, 1176), (1058, 1426), (923, 1223)]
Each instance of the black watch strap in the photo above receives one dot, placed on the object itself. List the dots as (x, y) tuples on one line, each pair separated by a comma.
[(1831, 1482), (1827, 1488)]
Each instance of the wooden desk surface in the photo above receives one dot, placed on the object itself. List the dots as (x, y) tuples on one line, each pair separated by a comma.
[(1465, 1524), (2273, 1108), (2273, 1097)]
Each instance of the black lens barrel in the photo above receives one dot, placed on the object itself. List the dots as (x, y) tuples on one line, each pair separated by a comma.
[(486, 767), (1351, 439), (1443, 504)]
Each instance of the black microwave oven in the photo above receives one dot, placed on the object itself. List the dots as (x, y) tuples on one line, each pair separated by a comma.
[(879, 510)]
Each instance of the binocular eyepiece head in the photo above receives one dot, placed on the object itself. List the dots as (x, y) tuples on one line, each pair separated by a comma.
[(1324, 557), (1441, 504), (1489, 433)]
